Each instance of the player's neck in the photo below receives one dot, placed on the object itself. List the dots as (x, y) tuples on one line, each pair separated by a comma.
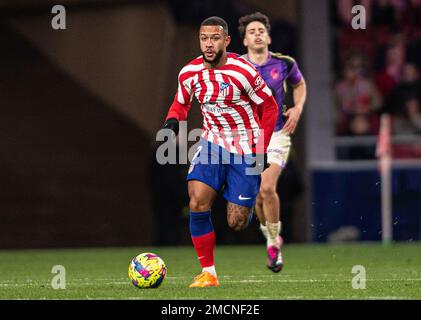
[(258, 57), (220, 63)]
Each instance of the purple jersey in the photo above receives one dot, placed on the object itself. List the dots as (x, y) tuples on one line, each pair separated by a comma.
[(278, 71)]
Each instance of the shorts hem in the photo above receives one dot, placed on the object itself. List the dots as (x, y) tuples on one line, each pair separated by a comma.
[(243, 203), (203, 181)]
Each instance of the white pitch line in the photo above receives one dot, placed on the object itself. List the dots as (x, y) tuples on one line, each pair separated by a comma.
[(388, 298), (126, 282), (319, 280), (269, 278)]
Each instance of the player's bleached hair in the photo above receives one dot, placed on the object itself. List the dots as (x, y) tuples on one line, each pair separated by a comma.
[(244, 21), (215, 21)]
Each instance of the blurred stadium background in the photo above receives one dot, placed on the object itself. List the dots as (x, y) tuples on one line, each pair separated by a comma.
[(80, 109)]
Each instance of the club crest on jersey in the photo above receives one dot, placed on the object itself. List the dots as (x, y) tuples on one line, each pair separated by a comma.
[(274, 73), (224, 88)]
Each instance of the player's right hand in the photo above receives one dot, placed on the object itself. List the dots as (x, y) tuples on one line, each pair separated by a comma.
[(293, 116), (172, 124)]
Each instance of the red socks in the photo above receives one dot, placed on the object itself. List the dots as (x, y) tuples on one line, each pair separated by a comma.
[(203, 237)]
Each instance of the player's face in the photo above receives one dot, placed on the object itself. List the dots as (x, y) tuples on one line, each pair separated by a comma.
[(256, 36), (213, 43)]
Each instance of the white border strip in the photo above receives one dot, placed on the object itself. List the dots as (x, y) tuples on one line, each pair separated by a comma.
[(358, 165)]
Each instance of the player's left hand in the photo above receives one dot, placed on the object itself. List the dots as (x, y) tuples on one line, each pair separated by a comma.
[(293, 115), (173, 125)]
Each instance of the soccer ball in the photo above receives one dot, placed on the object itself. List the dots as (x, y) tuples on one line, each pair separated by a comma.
[(147, 270)]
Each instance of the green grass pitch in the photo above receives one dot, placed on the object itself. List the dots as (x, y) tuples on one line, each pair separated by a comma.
[(310, 272)]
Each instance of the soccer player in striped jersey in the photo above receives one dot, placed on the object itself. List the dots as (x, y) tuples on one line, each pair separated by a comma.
[(278, 71), (239, 114)]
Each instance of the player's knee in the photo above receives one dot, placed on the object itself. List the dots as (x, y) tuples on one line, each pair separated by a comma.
[(198, 205), (267, 191)]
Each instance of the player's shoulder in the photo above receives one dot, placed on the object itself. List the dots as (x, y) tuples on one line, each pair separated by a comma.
[(193, 65), (242, 62), (233, 55), (290, 61), (241, 58)]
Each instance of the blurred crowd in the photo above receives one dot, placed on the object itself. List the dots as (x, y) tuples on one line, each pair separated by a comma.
[(378, 68)]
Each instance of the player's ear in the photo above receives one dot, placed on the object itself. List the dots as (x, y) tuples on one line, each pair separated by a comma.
[(245, 42), (227, 41), (269, 40)]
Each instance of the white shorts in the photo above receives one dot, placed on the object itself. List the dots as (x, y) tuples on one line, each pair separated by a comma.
[(279, 147)]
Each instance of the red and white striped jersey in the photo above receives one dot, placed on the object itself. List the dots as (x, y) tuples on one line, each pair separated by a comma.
[(229, 97)]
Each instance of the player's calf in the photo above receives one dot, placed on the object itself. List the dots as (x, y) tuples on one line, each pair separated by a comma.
[(259, 200), (238, 216)]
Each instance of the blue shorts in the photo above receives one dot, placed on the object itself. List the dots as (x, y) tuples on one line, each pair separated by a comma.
[(216, 167)]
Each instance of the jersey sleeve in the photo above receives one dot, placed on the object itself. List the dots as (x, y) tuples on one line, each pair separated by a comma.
[(294, 74), (267, 109), (256, 88), (181, 104), (268, 113)]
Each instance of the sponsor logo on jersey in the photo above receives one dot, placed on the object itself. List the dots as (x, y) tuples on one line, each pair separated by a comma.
[(215, 108), (258, 83)]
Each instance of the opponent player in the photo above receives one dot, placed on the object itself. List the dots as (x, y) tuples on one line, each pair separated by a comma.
[(277, 70), (239, 114)]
